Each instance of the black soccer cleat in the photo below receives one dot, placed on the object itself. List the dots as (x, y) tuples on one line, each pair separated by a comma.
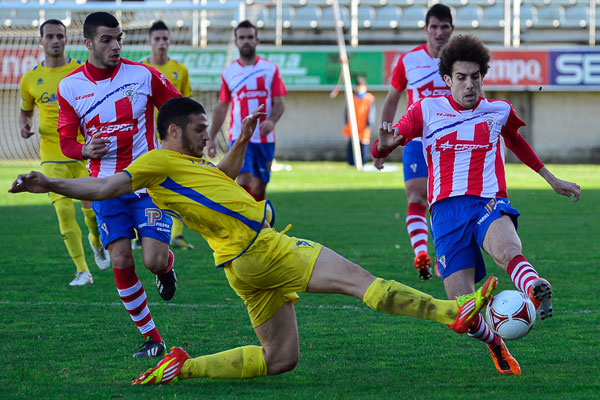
[(167, 284), (150, 348)]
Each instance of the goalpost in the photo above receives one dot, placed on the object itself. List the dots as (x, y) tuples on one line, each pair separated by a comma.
[(20, 50)]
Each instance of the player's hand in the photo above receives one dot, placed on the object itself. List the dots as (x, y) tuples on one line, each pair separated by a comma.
[(249, 123), (266, 127), (211, 148), (378, 162), (388, 137), (96, 147), (26, 131), (34, 182), (566, 188)]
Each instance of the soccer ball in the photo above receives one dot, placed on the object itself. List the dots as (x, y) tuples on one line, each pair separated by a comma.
[(510, 314)]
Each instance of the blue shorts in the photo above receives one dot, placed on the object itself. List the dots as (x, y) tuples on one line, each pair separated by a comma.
[(413, 161), (119, 216), (258, 159), (458, 226)]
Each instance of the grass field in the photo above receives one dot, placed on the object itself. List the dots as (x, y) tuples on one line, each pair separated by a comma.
[(60, 342)]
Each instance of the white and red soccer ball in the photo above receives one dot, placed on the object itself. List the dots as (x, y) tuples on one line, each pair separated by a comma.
[(510, 314)]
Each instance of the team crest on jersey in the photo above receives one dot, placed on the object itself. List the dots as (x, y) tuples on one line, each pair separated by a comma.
[(442, 261), (413, 166), (131, 94), (40, 81), (175, 75), (303, 243)]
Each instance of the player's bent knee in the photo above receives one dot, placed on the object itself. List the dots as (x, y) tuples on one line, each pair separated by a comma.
[(279, 365)]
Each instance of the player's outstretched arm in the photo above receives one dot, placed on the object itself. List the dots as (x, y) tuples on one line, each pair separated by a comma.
[(80, 188), (565, 188), (218, 116), (232, 162)]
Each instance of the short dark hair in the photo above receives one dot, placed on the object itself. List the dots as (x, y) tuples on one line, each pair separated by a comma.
[(177, 111), (464, 48), (441, 12), (245, 24), (97, 19), (51, 22), (157, 26)]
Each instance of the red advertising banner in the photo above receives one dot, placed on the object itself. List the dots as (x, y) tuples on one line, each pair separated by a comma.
[(507, 68), (15, 62), (520, 68), (390, 59)]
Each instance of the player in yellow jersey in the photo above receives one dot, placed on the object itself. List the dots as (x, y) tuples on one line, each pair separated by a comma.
[(264, 267), (38, 88), (177, 73)]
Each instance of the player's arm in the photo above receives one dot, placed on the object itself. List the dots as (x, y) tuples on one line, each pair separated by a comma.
[(79, 188), (277, 109), (524, 152), (27, 105), (392, 136), (218, 117), (233, 160), (25, 124)]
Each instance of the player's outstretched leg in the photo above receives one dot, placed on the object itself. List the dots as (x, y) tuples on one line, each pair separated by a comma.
[(504, 361), (395, 298)]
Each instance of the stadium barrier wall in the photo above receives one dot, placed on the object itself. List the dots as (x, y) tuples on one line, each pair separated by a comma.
[(554, 90)]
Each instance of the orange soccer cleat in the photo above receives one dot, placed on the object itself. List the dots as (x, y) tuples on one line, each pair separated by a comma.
[(504, 361)]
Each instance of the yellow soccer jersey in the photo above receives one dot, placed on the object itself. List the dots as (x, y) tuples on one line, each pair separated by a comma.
[(38, 87), (176, 73), (207, 200)]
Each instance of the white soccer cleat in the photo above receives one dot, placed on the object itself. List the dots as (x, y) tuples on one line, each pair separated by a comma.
[(100, 255), (82, 278)]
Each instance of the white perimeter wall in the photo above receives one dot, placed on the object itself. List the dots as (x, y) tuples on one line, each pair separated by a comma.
[(562, 126)]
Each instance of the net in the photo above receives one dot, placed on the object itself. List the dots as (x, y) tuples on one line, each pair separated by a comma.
[(20, 52)]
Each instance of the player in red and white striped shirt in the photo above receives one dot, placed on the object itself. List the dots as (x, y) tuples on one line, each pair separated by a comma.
[(112, 100), (466, 184), (247, 83), (417, 73)]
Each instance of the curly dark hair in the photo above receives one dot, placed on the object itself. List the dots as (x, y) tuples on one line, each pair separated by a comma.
[(464, 48)]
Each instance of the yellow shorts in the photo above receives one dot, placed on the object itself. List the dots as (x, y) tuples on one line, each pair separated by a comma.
[(271, 271), (64, 170)]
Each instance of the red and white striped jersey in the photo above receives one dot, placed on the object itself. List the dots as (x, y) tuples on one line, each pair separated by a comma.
[(247, 87), (120, 107), (462, 147), (417, 73)]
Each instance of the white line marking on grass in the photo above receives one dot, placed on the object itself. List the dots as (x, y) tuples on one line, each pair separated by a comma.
[(158, 304), (199, 306)]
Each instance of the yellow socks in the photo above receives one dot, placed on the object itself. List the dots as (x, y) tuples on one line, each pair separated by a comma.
[(65, 211), (177, 228), (395, 298), (90, 221), (239, 363)]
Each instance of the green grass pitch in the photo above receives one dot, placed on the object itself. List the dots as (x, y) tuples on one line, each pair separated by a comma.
[(59, 342)]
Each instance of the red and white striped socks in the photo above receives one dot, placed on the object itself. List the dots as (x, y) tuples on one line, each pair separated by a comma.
[(133, 295), (522, 273), (416, 225), (481, 331)]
